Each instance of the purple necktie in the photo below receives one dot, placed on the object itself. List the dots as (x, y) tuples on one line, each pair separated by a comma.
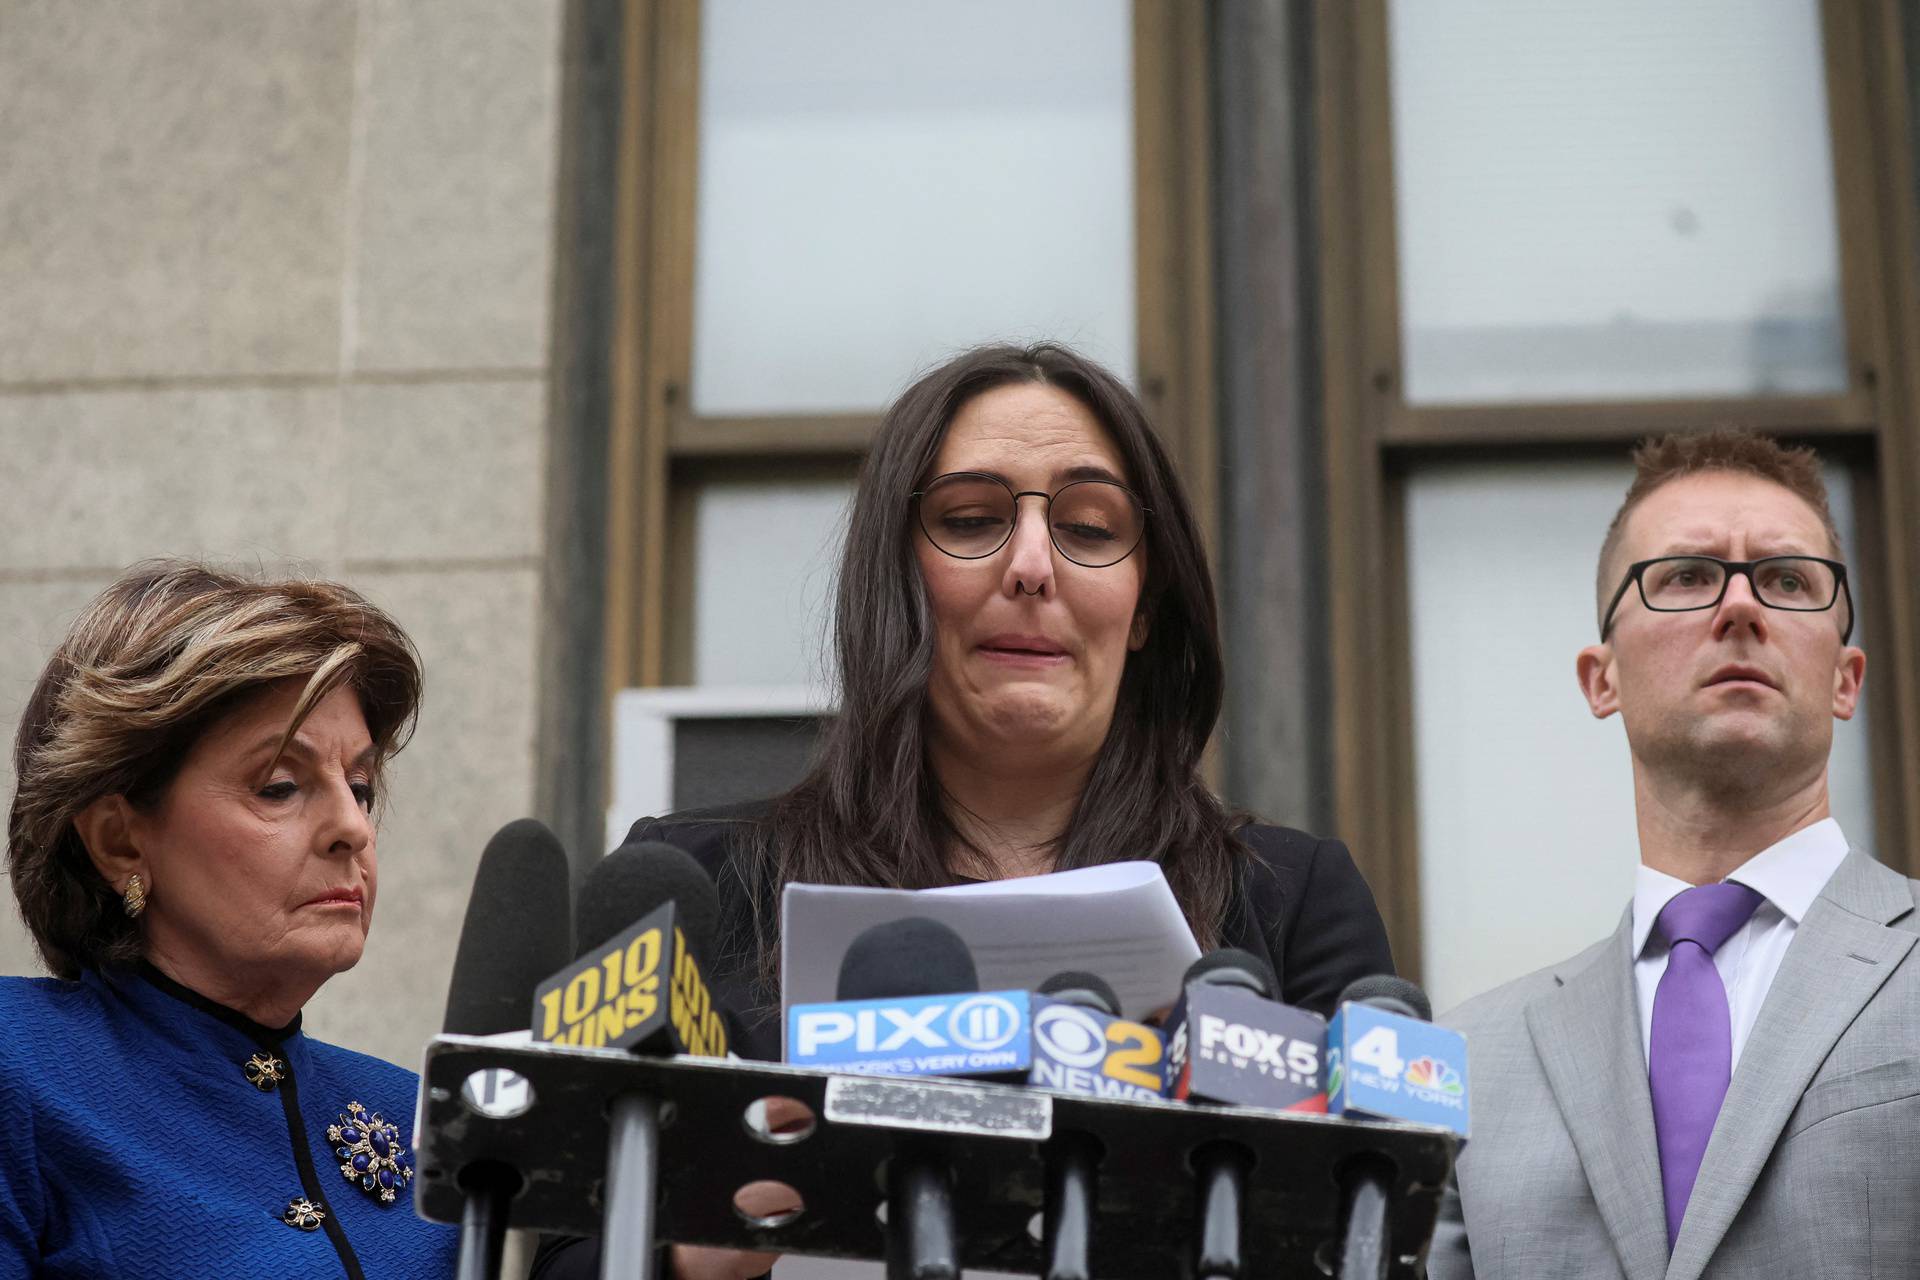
[(1690, 1057)]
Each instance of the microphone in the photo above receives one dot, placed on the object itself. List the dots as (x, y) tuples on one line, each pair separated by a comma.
[(515, 933), (1083, 990), (1386, 991), (1081, 1045), (517, 930), (912, 956), (1386, 1060), (647, 915), (1231, 1042), (646, 918), (909, 1004), (917, 972)]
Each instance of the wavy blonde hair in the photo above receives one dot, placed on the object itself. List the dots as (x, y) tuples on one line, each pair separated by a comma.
[(144, 671)]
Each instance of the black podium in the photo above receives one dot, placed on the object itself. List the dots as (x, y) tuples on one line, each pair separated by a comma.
[(993, 1137)]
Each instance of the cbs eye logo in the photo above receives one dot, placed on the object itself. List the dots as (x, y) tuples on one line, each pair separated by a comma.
[(1070, 1036), (1125, 1051)]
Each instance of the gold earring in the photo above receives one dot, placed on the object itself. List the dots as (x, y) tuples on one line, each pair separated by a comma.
[(134, 897)]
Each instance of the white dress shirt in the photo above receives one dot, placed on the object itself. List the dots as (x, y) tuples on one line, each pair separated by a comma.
[(1788, 875)]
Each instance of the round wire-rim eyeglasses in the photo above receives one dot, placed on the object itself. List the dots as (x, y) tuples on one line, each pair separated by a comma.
[(1079, 553)]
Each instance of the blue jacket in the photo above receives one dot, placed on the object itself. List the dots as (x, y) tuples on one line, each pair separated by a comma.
[(147, 1132)]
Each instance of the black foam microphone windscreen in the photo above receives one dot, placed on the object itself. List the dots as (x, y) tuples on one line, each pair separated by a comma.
[(515, 934), (638, 878), (1088, 990), (1231, 967), (914, 956), (1384, 991)]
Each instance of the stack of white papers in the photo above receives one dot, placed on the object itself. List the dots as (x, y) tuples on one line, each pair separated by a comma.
[(1119, 921)]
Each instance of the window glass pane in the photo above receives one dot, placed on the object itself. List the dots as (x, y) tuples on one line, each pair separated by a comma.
[(1605, 199), (883, 182), (1527, 839), (764, 557)]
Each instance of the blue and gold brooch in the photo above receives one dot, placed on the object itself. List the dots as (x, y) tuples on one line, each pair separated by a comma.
[(265, 1071), (303, 1214), (371, 1153)]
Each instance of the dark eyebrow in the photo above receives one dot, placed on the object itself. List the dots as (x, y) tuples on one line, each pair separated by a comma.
[(1087, 473), (1065, 476)]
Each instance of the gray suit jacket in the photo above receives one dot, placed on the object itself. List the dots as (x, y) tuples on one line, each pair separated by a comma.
[(1813, 1169)]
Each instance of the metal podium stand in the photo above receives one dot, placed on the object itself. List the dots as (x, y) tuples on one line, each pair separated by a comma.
[(993, 1137)]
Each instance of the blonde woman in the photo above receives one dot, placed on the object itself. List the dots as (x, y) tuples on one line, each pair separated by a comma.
[(192, 848)]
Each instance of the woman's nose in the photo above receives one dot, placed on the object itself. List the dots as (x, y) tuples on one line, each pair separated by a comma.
[(1030, 550), (347, 825)]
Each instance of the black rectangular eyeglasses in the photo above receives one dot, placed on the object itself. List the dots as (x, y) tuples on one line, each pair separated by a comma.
[(1680, 584)]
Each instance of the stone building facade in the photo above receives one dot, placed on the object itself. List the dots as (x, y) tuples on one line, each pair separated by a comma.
[(277, 284)]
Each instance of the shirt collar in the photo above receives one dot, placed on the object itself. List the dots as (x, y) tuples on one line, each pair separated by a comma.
[(1789, 874)]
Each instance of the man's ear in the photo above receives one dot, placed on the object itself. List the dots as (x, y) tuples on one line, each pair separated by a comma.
[(1848, 675), (106, 827), (1595, 669), (1137, 633)]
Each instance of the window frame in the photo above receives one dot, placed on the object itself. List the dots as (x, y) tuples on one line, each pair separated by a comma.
[(659, 449), (1373, 437)]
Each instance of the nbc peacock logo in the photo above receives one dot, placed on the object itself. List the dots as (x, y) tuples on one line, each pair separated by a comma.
[(1433, 1073)]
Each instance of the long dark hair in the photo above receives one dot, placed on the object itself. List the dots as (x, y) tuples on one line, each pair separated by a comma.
[(870, 811)]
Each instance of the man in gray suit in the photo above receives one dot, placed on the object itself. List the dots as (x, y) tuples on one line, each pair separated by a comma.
[(1730, 1084)]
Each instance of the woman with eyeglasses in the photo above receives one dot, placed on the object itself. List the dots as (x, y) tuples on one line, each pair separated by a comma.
[(1029, 662)]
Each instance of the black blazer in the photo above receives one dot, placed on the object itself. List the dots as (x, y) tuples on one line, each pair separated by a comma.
[(1302, 905)]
